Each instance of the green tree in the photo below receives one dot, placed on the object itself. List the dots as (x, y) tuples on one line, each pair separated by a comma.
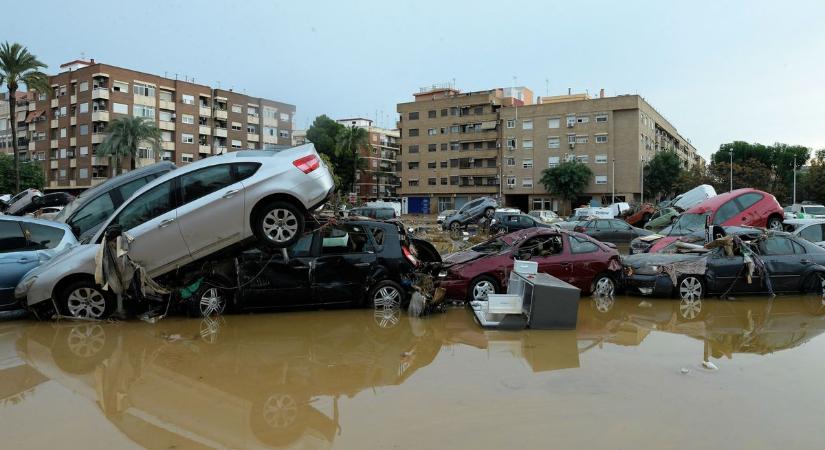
[(812, 182), (661, 174), (323, 133), (31, 175), (695, 176), (567, 180), (775, 161), (125, 136), (347, 144), (19, 67)]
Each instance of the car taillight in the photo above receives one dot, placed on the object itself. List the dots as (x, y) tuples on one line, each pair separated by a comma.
[(307, 164), (408, 254)]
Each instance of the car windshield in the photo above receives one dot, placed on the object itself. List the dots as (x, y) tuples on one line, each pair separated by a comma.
[(492, 246), (686, 224), (814, 209)]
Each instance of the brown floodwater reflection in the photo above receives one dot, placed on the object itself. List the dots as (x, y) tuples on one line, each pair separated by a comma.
[(630, 376)]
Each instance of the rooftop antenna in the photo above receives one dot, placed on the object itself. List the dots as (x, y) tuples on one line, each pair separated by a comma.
[(176, 77), (547, 87)]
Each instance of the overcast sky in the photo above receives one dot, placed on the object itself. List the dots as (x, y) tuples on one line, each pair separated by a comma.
[(719, 71)]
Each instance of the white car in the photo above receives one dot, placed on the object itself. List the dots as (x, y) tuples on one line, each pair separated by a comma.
[(22, 200), (187, 214), (545, 215), (810, 229)]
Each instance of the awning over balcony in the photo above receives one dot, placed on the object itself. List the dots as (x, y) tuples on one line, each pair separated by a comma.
[(33, 115), (489, 125)]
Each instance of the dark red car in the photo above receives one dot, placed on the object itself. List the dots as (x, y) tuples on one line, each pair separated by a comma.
[(741, 207), (578, 259)]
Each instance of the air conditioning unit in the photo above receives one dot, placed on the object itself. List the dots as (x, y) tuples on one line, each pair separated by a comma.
[(570, 124), (498, 144), (572, 145)]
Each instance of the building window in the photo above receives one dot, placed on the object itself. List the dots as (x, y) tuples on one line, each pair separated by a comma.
[(188, 119), (84, 86), (412, 183), (432, 147), (120, 108), (413, 132), (431, 114), (187, 138), (413, 115), (431, 181), (166, 136), (526, 124), (553, 123), (414, 148), (510, 162), (584, 159), (601, 159), (601, 118), (582, 119), (444, 112), (84, 151), (511, 123), (443, 146), (187, 99), (443, 164), (553, 161), (478, 110), (601, 139), (581, 139), (601, 179), (431, 165), (119, 86), (144, 111), (511, 143), (83, 173), (237, 109), (571, 138), (527, 144), (144, 90), (527, 182), (187, 157), (553, 142), (511, 181), (236, 143), (412, 165), (571, 121), (83, 108), (432, 131), (165, 96), (84, 130), (444, 181), (165, 116), (62, 132)]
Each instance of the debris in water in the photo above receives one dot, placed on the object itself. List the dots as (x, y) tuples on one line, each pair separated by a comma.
[(709, 365), (408, 354), (645, 304), (417, 303), (685, 370), (174, 337)]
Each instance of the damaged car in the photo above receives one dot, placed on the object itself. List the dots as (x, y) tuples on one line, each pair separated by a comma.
[(186, 215), (590, 265), (744, 261), (472, 212)]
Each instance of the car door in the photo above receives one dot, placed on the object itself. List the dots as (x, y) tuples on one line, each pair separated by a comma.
[(150, 219), (526, 222), (727, 214), (548, 251), (724, 274), (747, 214), (785, 261), (16, 258), (582, 262), (622, 231), (271, 282), (602, 230), (346, 260), (211, 211)]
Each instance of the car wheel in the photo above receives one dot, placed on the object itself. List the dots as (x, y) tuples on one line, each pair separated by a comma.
[(775, 224), (603, 304), (85, 300), (387, 298), (208, 301), (455, 226), (481, 287), (489, 212), (603, 286), (815, 284), (691, 288), (690, 308), (80, 348), (279, 224)]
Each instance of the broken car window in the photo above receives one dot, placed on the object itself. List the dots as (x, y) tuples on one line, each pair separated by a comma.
[(41, 237), (542, 246), (341, 239), (578, 245), (491, 246)]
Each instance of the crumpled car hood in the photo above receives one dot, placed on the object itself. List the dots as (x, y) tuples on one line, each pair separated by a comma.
[(463, 257)]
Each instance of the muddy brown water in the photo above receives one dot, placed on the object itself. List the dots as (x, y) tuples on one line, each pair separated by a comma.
[(629, 377)]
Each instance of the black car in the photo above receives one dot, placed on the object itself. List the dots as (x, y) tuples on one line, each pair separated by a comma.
[(45, 201), (792, 264), (351, 262), (610, 230), (510, 222)]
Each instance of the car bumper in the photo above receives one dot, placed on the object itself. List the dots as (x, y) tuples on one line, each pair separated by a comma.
[(454, 289), (649, 285), (8, 302)]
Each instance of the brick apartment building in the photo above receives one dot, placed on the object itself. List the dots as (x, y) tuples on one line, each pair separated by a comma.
[(378, 178), (458, 146), (196, 121)]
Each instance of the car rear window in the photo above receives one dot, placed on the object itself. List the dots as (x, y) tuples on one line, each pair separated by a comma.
[(41, 237), (11, 237)]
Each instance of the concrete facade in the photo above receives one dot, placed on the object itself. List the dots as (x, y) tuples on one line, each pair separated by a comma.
[(378, 178)]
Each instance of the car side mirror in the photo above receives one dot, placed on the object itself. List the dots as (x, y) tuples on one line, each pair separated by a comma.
[(113, 231)]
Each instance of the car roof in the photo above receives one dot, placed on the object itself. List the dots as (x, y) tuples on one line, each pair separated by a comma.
[(714, 203), (44, 222), (122, 179)]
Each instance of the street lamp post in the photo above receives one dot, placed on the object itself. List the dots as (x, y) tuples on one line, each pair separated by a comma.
[(731, 169), (613, 183), (794, 179), (643, 182)]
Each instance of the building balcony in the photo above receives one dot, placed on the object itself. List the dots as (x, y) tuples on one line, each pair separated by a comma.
[(100, 161), (73, 163), (167, 145), (32, 106), (253, 119), (221, 114), (98, 180), (270, 122), (98, 138), (73, 121), (254, 137), (32, 126), (220, 132), (168, 126), (205, 130), (53, 184), (53, 164), (163, 104), (32, 146), (54, 103), (143, 162), (53, 144), (72, 142), (73, 99), (53, 123), (203, 149), (144, 100), (270, 139), (102, 93), (219, 149), (205, 111), (100, 116), (475, 136)]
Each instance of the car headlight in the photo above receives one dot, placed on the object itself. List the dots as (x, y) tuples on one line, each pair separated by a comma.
[(24, 286), (442, 274)]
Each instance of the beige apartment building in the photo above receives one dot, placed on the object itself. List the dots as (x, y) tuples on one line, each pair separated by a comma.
[(612, 135), (378, 178), (196, 121)]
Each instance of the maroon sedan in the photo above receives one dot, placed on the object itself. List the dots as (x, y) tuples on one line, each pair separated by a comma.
[(576, 258)]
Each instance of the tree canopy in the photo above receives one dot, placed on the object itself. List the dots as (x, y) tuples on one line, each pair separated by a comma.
[(340, 145), (125, 136), (661, 174), (31, 175), (568, 179)]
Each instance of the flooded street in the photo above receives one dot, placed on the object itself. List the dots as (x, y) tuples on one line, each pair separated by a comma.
[(630, 376)]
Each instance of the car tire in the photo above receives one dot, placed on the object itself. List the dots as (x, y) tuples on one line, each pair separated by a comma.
[(279, 224), (603, 285), (489, 213), (481, 286), (691, 287), (386, 299), (83, 299), (814, 284), (455, 226), (207, 301), (775, 223)]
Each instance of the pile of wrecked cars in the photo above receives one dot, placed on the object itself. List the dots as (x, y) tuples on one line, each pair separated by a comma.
[(224, 232)]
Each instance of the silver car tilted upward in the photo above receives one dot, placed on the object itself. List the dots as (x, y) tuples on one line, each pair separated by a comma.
[(187, 214)]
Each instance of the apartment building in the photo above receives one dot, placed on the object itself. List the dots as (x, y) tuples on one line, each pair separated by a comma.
[(378, 178), (195, 120), (522, 138), (6, 123)]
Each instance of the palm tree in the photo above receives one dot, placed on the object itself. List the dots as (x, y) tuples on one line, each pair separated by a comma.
[(19, 67), (124, 136), (347, 143)]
